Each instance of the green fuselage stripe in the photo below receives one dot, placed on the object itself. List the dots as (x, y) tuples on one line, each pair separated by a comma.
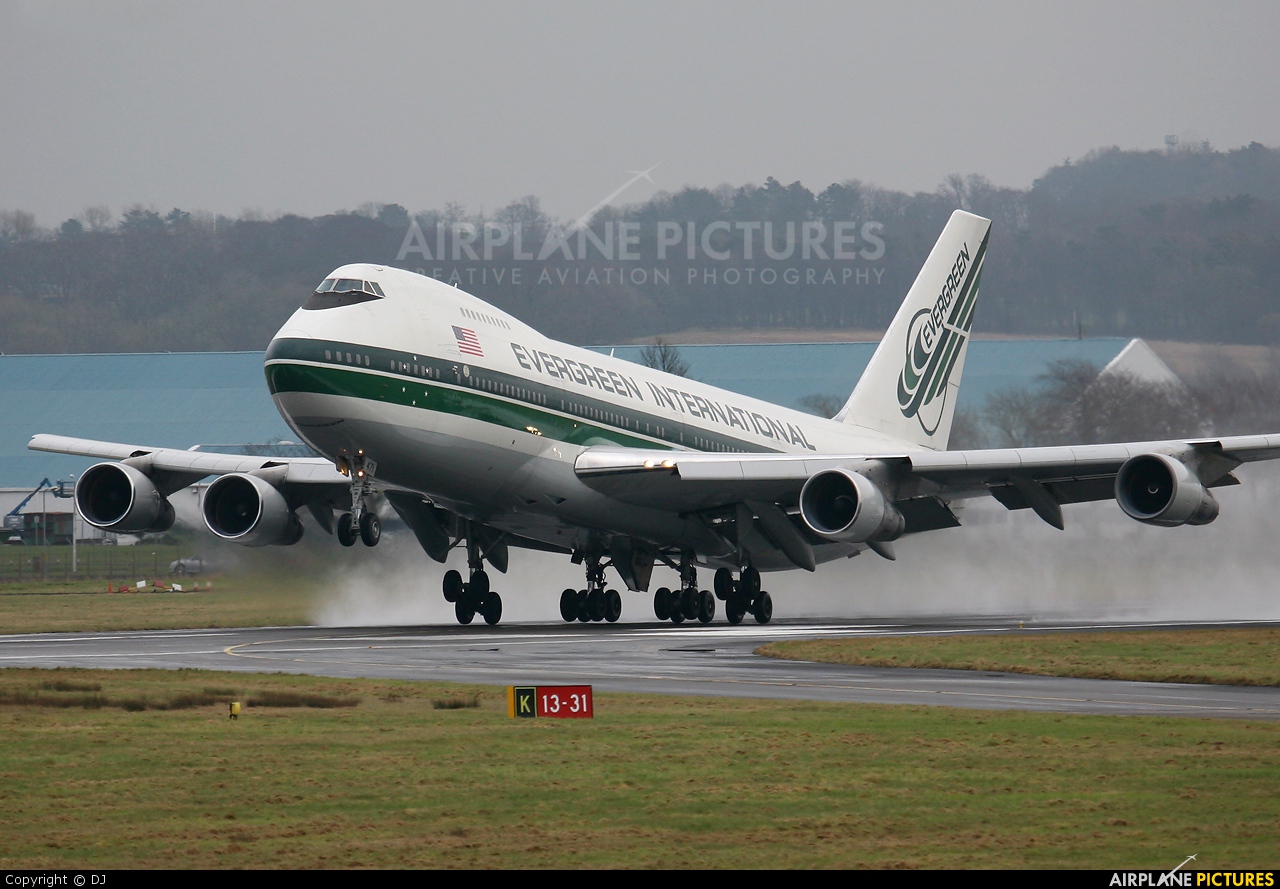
[(506, 400)]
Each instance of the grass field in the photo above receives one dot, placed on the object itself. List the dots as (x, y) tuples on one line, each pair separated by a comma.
[(91, 779), (1217, 656), (83, 606)]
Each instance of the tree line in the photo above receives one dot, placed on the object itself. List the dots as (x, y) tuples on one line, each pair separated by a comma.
[(1181, 244)]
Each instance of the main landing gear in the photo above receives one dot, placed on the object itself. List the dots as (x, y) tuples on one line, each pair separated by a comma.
[(686, 603), (361, 523), (595, 603), (743, 596), (473, 597)]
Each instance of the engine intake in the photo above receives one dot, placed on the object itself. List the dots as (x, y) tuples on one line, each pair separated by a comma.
[(1159, 490), (118, 497), (249, 511), (842, 505)]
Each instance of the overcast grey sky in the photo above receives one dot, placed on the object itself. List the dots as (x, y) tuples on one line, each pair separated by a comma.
[(311, 107)]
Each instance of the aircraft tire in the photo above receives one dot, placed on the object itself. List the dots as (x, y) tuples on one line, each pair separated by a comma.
[(612, 606), (734, 611), (464, 611), (662, 603), (677, 610), (569, 606), (452, 585), (370, 529), (491, 609), (595, 605), (723, 584), (479, 586), (690, 604), (750, 582), (707, 607), (762, 610), (347, 533), (584, 613)]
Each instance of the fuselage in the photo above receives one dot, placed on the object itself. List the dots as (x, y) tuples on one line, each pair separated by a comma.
[(484, 415)]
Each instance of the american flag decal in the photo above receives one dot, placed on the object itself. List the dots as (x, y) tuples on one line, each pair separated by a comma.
[(468, 342)]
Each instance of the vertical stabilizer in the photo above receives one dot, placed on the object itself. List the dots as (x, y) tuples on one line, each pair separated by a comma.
[(909, 389)]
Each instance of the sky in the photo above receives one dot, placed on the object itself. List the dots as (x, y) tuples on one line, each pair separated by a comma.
[(314, 107)]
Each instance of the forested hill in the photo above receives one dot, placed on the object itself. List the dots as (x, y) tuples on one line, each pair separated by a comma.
[(1181, 244)]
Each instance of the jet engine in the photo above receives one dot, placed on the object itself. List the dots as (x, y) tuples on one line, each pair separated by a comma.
[(118, 497), (249, 511), (845, 506), (1160, 490)]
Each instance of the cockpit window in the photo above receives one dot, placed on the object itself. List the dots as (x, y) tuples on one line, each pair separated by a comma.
[(334, 292)]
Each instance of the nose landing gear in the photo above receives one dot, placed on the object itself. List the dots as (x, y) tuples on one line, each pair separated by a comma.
[(361, 523)]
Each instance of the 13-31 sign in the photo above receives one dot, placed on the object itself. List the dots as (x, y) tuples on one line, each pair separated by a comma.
[(555, 701)]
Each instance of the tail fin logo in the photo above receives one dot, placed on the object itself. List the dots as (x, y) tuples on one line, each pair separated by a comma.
[(935, 340)]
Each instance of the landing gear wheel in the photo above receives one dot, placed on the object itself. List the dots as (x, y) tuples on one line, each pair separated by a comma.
[(464, 611), (452, 586), (707, 607), (723, 584), (584, 613), (491, 609), (569, 605), (346, 530), (370, 529), (479, 586), (662, 603), (677, 612), (750, 582), (691, 604), (612, 606), (595, 605), (763, 608), (734, 611)]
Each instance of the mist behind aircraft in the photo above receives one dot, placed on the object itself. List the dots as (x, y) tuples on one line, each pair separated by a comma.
[(1104, 566)]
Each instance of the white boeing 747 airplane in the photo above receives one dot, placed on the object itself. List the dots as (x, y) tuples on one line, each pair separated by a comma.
[(480, 432)]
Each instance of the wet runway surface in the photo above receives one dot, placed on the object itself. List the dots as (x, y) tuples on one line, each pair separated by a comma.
[(715, 660)]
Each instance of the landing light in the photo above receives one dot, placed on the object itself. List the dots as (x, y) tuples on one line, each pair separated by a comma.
[(533, 429), (668, 464)]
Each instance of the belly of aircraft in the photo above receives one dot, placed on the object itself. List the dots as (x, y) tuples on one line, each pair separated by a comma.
[(515, 481)]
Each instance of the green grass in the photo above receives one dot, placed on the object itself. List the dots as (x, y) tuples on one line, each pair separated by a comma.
[(1217, 656), (250, 599), (650, 782)]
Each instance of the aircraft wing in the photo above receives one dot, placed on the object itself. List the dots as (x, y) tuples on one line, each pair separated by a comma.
[(183, 468), (1036, 478)]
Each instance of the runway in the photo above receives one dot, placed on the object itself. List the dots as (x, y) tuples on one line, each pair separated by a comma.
[(715, 660)]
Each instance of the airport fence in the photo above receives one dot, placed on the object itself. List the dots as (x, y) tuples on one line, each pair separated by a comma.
[(25, 565)]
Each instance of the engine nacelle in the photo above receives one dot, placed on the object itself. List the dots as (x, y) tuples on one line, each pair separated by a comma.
[(1160, 490), (118, 497), (848, 507), (249, 511)]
